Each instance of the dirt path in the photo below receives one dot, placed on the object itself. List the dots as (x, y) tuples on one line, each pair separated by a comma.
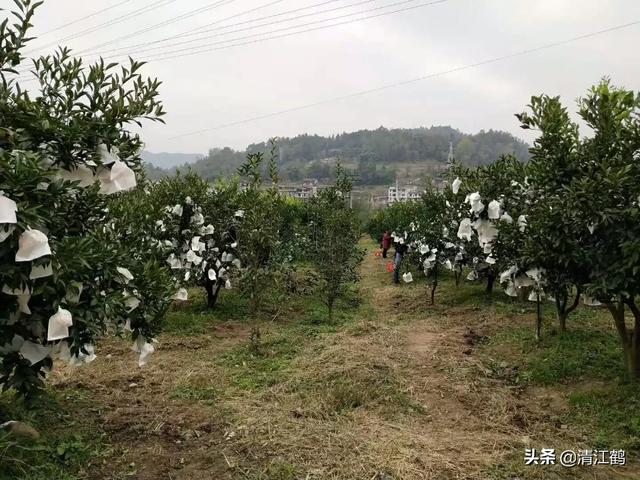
[(475, 424), (398, 393)]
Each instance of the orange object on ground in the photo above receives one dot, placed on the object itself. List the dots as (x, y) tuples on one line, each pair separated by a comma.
[(389, 267), (378, 253)]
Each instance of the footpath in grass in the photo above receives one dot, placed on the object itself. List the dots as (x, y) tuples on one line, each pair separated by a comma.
[(394, 389)]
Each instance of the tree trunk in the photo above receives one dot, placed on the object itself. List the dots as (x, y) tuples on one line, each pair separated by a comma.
[(633, 355), (538, 318), (435, 283), (458, 275), (491, 278), (563, 310), (212, 293), (630, 339), (254, 299), (633, 364), (562, 321), (330, 307)]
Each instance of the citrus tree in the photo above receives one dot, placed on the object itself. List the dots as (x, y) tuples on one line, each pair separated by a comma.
[(334, 231), (65, 278), (484, 200), (193, 225), (605, 195), (589, 229), (431, 243), (261, 208), (553, 166), (395, 217)]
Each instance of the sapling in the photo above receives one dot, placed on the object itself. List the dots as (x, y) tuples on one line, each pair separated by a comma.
[(335, 230)]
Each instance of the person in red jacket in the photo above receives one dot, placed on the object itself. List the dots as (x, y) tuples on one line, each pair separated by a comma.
[(386, 243)]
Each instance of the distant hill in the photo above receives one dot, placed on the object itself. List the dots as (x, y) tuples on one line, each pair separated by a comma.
[(166, 160), (377, 156), (388, 146)]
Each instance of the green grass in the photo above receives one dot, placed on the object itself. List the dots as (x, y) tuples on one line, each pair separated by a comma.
[(258, 364), (255, 366), (607, 416), (610, 415), (375, 387), (590, 350), (70, 448), (586, 361), (195, 318), (205, 394), (188, 324)]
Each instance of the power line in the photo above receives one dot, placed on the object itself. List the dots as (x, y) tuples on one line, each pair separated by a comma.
[(190, 51), (224, 27), (210, 47), (413, 80), (251, 10), (122, 18), (171, 53), (197, 11), (174, 44), (196, 32), (78, 20)]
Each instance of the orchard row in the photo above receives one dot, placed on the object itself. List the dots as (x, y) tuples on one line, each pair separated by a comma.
[(561, 227), (89, 248)]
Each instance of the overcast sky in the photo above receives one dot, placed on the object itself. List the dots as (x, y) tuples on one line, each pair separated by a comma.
[(233, 84)]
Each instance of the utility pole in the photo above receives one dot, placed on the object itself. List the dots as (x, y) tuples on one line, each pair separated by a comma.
[(355, 178), (451, 156)]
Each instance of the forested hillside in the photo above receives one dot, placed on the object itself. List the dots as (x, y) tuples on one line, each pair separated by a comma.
[(169, 160), (401, 145), (376, 154)]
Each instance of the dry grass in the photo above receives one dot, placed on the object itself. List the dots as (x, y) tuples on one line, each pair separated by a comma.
[(401, 392)]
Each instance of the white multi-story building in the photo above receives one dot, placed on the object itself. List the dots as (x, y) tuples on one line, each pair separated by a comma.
[(308, 189), (398, 193)]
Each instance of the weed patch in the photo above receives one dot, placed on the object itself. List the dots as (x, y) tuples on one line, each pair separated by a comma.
[(251, 368), (593, 352), (341, 389), (207, 395), (195, 318), (611, 415), (69, 447)]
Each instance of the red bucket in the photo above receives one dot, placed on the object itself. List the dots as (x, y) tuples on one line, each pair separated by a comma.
[(390, 267)]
